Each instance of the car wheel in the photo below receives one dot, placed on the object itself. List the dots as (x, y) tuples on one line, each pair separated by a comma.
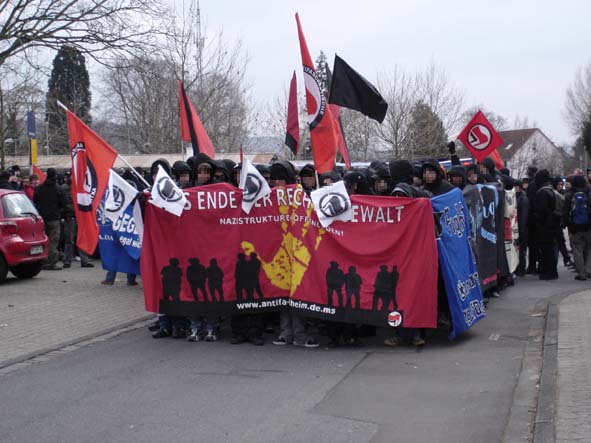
[(27, 270), (3, 268)]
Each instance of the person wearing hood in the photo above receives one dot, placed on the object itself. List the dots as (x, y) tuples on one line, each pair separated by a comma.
[(308, 178), (457, 176), (204, 170), (433, 180), (5, 181), (558, 186), (488, 171), (154, 168), (356, 182), (578, 221), (49, 200), (531, 191), (380, 179), (402, 174), (182, 174), (265, 172), (547, 225), (522, 214), (282, 173), (329, 178), (473, 175), (221, 173)]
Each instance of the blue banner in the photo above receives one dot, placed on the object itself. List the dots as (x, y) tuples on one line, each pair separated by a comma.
[(456, 261), (119, 242)]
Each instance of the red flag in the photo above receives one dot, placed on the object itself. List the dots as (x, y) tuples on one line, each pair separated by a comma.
[(292, 133), (480, 137), (335, 111), (191, 128), (39, 172), (322, 133), (497, 159), (92, 158)]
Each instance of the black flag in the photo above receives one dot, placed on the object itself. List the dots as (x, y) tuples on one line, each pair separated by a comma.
[(350, 90)]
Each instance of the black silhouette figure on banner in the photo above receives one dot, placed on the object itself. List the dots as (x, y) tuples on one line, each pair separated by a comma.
[(253, 273), (335, 279), (352, 286), (196, 278), (240, 275), (395, 277), (215, 277), (382, 289), (171, 280)]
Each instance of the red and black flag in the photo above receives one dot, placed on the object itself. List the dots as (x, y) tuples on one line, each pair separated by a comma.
[(335, 111), (350, 90), (292, 132), (480, 137), (322, 130), (92, 159), (191, 128)]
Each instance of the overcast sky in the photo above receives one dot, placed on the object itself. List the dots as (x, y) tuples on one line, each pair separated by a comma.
[(514, 57)]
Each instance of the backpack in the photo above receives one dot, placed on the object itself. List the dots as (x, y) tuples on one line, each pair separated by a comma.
[(579, 212), (558, 202)]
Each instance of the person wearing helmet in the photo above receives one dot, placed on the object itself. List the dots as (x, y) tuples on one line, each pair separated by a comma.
[(182, 174)]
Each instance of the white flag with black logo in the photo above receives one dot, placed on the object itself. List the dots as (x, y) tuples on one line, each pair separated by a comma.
[(254, 185), (166, 194), (119, 195), (332, 203)]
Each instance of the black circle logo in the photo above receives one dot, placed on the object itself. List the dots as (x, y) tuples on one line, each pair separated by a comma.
[(167, 190), (333, 204), (314, 97), (117, 201), (252, 188), (85, 174)]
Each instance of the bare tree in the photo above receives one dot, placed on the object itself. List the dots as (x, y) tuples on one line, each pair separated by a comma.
[(435, 90), (499, 122), (361, 135), (398, 89), (578, 100), (92, 26)]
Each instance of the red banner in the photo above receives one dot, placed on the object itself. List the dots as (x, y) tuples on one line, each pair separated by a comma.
[(379, 268), (480, 137)]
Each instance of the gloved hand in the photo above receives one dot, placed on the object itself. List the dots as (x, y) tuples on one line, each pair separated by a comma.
[(451, 147)]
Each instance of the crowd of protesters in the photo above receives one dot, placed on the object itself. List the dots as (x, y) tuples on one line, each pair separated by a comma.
[(551, 213)]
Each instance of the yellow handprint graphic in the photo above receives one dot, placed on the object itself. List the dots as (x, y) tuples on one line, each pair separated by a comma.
[(287, 267)]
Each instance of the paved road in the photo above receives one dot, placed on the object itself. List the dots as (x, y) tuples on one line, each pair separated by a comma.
[(131, 388)]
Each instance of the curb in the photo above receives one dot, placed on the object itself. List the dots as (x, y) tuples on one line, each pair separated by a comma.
[(520, 423), (544, 422), (30, 355)]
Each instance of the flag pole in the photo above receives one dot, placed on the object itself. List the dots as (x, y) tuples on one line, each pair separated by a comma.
[(137, 174), (65, 108)]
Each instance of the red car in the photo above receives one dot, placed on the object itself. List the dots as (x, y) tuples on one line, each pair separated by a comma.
[(23, 243)]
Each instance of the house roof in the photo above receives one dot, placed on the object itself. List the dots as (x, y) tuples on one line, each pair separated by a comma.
[(514, 141)]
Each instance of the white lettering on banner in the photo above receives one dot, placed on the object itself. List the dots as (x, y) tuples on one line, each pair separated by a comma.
[(263, 202), (187, 203), (216, 200), (372, 214), (125, 223)]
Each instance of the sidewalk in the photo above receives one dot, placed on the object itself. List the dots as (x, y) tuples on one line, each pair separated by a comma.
[(573, 388), (58, 308)]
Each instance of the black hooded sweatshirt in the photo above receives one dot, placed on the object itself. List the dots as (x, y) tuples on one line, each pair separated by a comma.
[(439, 186)]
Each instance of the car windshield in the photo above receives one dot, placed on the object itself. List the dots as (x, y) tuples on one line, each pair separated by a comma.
[(17, 205)]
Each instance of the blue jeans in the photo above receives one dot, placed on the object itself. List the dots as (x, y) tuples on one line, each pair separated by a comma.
[(197, 325), (112, 274)]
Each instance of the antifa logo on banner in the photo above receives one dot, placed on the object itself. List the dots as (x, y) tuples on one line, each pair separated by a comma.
[(252, 187), (167, 190), (479, 137), (314, 92), (118, 199), (333, 204), (395, 319), (85, 177)]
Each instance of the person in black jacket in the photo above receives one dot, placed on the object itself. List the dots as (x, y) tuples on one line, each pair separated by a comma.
[(579, 231), (433, 180), (49, 201), (547, 225), (532, 189), (522, 216)]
